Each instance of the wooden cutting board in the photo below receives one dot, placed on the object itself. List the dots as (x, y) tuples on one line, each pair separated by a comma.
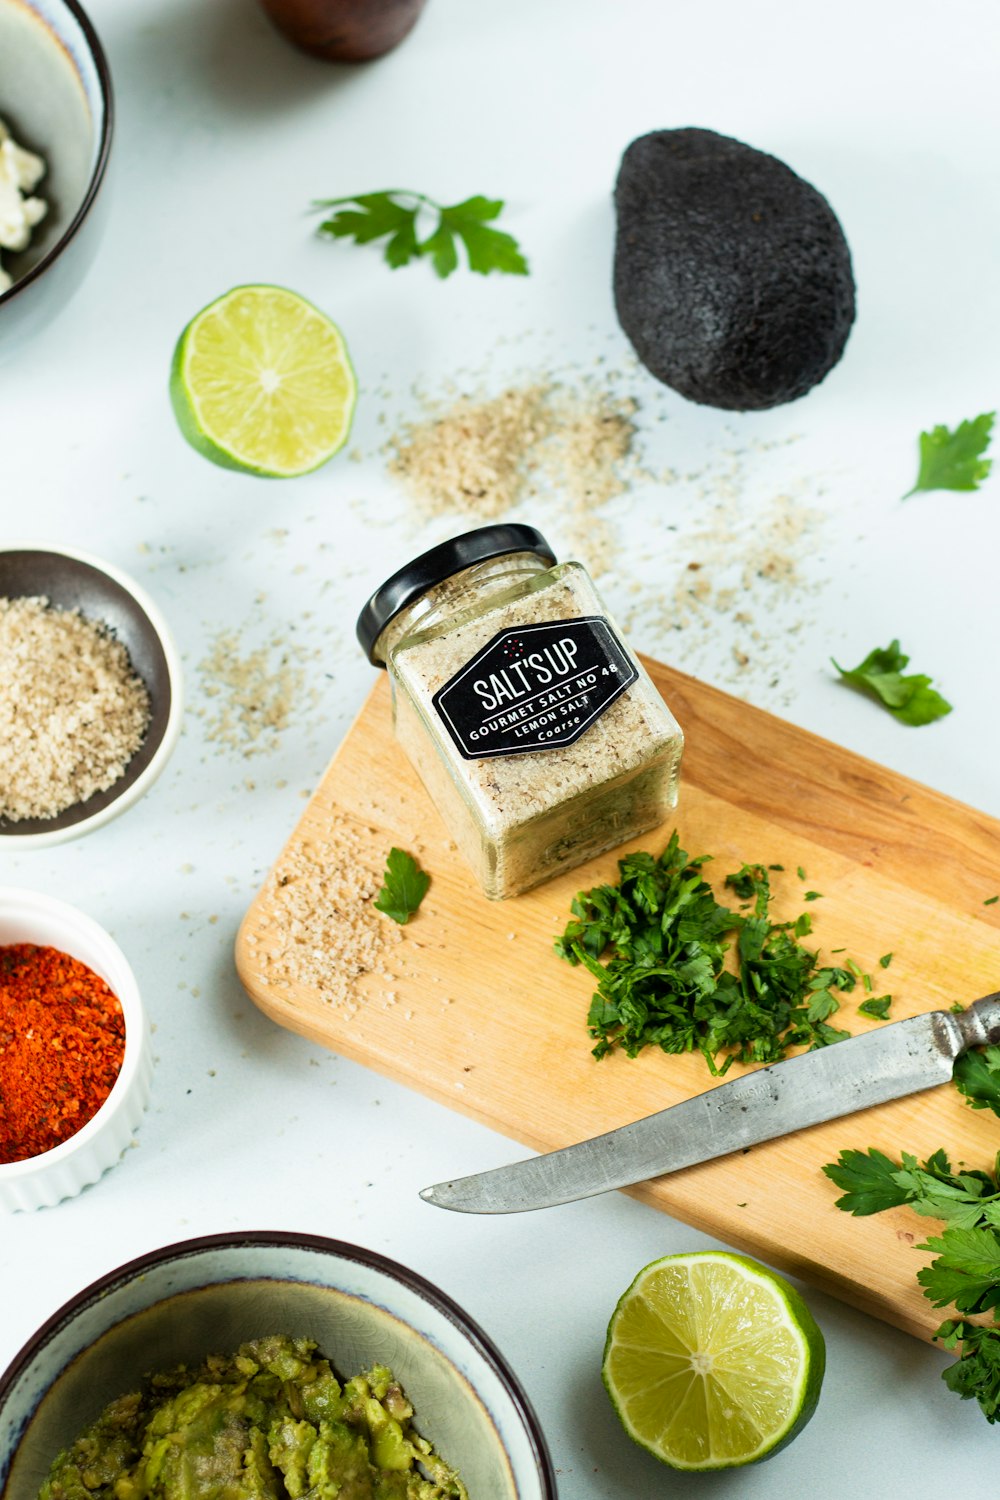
[(469, 1004)]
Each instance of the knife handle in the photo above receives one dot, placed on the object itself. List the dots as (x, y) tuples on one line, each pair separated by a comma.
[(980, 1024)]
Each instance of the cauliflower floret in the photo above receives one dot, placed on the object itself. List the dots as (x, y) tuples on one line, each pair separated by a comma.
[(20, 210)]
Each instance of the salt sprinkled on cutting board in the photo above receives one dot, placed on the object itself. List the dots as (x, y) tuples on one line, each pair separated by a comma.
[(323, 931)]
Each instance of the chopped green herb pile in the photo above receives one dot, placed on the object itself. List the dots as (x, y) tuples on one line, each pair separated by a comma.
[(953, 460), (405, 886), (395, 213), (965, 1271), (665, 983), (910, 699)]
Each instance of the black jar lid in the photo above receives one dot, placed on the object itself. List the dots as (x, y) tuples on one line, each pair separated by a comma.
[(439, 563)]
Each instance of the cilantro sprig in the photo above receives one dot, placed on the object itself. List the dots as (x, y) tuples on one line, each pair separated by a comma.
[(404, 886), (677, 969), (909, 698), (965, 1270), (953, 460), (395, 216)]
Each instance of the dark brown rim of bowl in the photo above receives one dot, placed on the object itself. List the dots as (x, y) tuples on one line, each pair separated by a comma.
[(100, 167), (480, 1341)]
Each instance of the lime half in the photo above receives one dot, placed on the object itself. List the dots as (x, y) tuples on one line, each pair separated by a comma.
[(261, 381), (712, 1361)]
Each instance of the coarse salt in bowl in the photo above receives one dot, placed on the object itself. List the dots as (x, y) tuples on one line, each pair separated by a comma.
[(72, 580), (44, 1180)]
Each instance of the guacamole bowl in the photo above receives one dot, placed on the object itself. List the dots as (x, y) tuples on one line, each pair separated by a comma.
[(208, 1296)]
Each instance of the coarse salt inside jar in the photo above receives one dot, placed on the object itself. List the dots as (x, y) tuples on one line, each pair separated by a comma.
[(537, 733)]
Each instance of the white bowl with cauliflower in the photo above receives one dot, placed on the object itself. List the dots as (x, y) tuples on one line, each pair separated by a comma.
[(56, 126)]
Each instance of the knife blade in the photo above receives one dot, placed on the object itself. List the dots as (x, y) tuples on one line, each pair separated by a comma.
[(902, 1058)]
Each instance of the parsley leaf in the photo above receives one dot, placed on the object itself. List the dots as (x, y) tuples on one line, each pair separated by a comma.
[(966, 1267), (869, 1182), (822, 1005), (874, 1182), (395, 213), (910, 699), (877, 1007), (678, 970), (405, 886), (976, 1374), (977, 1076), (962, 1199), (966, 1271), (953, 460)]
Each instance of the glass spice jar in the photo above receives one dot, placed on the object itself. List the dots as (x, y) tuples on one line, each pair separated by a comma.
[(537, 733)]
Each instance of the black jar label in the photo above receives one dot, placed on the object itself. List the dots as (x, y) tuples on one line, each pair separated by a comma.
[(535, 688)]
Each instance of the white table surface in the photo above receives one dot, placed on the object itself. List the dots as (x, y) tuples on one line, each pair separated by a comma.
[(224, 135)]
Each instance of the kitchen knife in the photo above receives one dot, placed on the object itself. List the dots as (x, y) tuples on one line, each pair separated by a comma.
[(901, 1058)]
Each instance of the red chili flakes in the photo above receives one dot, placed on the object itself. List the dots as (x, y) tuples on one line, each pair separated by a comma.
[(62, 1041)]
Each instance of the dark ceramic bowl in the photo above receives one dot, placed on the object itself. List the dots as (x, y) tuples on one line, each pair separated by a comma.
[(209, 1295), (74, 580), (55, 97)]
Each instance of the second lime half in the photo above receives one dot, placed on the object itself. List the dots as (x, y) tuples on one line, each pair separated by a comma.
[(261, 381), (712, 1360)]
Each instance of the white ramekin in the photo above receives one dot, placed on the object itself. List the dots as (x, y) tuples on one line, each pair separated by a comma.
[(42, 1181)]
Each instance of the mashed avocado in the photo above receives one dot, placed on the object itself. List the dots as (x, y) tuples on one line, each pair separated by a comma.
[(271, 1422)]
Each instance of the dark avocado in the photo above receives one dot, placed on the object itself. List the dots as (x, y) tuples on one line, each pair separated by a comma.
[(732, 275)]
